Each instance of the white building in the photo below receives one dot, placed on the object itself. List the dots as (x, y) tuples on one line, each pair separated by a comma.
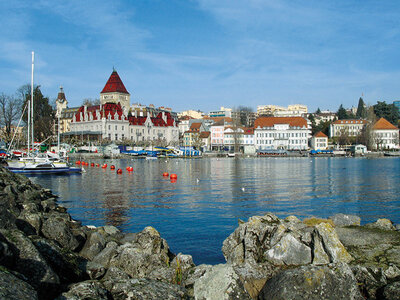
[(349, 127), (319, 141), (291, 133), (111, 120), (223, 112), (217, 135), (385, 135), (194, 114)]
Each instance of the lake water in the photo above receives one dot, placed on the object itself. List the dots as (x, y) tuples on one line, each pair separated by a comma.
[(196, 213)]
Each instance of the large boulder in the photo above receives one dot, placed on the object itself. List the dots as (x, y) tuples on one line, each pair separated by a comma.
[(144, 288), (56, 228), (269, 240), (13, 288), (90, 289), (312, 282), (146, 252), (345, 220), (31, 263), (220, 283)]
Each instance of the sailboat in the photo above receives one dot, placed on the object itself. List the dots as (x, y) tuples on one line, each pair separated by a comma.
[(39, 163)]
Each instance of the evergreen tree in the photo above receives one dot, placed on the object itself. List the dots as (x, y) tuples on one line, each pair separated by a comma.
[(361, 109), (342, 113), (387, 111), (318, 111), (43, 113)]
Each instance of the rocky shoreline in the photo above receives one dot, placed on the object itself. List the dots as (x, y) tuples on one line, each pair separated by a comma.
[(45, 254)]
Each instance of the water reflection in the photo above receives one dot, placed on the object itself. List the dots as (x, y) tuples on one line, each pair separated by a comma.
[(198, 211)]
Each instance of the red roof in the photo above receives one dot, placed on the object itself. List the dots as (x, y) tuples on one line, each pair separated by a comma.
[(157, 121), (114, 84), (383, 124), (195, 127), (109, 109), (271, 121), (205, 134), (321, 134)]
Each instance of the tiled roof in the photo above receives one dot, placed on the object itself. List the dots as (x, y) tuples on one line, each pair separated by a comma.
[(383, 124), (321, 134), (248, 130), (350, 121), (112, 110), (205, 134), (195, 126), (114, 84), (271, 121)]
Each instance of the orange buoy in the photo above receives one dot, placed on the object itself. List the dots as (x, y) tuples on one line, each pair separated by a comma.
[(112, 167), (78, 162), (165, 174), (119, 171), (92, 164), (86, 163), (173, 176)]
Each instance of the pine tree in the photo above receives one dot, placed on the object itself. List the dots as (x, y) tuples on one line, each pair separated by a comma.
[(361, 109), (342, 113)]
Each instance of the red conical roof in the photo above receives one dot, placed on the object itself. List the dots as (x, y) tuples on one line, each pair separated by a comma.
[(114, 84)]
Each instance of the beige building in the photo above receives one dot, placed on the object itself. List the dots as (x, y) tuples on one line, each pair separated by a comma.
[(294, 110), (191, 113), (64, 114)]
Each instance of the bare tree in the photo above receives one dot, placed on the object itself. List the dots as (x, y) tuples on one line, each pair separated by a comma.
[(10, 111)]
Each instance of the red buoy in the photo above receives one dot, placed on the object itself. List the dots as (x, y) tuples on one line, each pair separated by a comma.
[(112, 167), (165, 174), (92, 164), (173, 176), (129, 169), (119, 171), (97, 165), (78, 162), (104, 166)]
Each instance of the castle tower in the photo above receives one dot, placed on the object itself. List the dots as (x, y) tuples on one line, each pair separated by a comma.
[(114, 91)]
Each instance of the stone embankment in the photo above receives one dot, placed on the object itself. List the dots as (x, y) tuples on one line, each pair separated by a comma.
[(45, 254)]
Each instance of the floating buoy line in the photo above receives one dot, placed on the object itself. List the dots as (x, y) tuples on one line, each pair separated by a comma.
[(173, 177)]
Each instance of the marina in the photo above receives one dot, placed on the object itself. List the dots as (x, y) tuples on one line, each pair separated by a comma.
[(199, 209)]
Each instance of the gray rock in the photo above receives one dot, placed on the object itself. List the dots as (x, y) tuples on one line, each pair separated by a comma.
[(392, 291), (95, 270), (106, 254), (31, 263), (13, 288), (312, 282), (55, 228), (145, 288), (370, 280), (95, 243), (7, 219), (192, 276), (392, 272), (371, 246), (182, 261), (67, 264), (384, 224), (345, 220), (112, 276), (219, 283), (289, 251), (332, 245), (89, 289), (147, 252)]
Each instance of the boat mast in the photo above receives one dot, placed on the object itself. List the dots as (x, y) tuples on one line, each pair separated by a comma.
[(33, 141)]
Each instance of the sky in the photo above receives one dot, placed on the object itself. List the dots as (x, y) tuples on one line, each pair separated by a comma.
[(204, 54)]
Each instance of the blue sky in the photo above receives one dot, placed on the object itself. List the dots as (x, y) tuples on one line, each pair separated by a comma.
[(203, 54)]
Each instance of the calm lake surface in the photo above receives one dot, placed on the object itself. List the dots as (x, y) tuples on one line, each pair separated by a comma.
[(196, 213)]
